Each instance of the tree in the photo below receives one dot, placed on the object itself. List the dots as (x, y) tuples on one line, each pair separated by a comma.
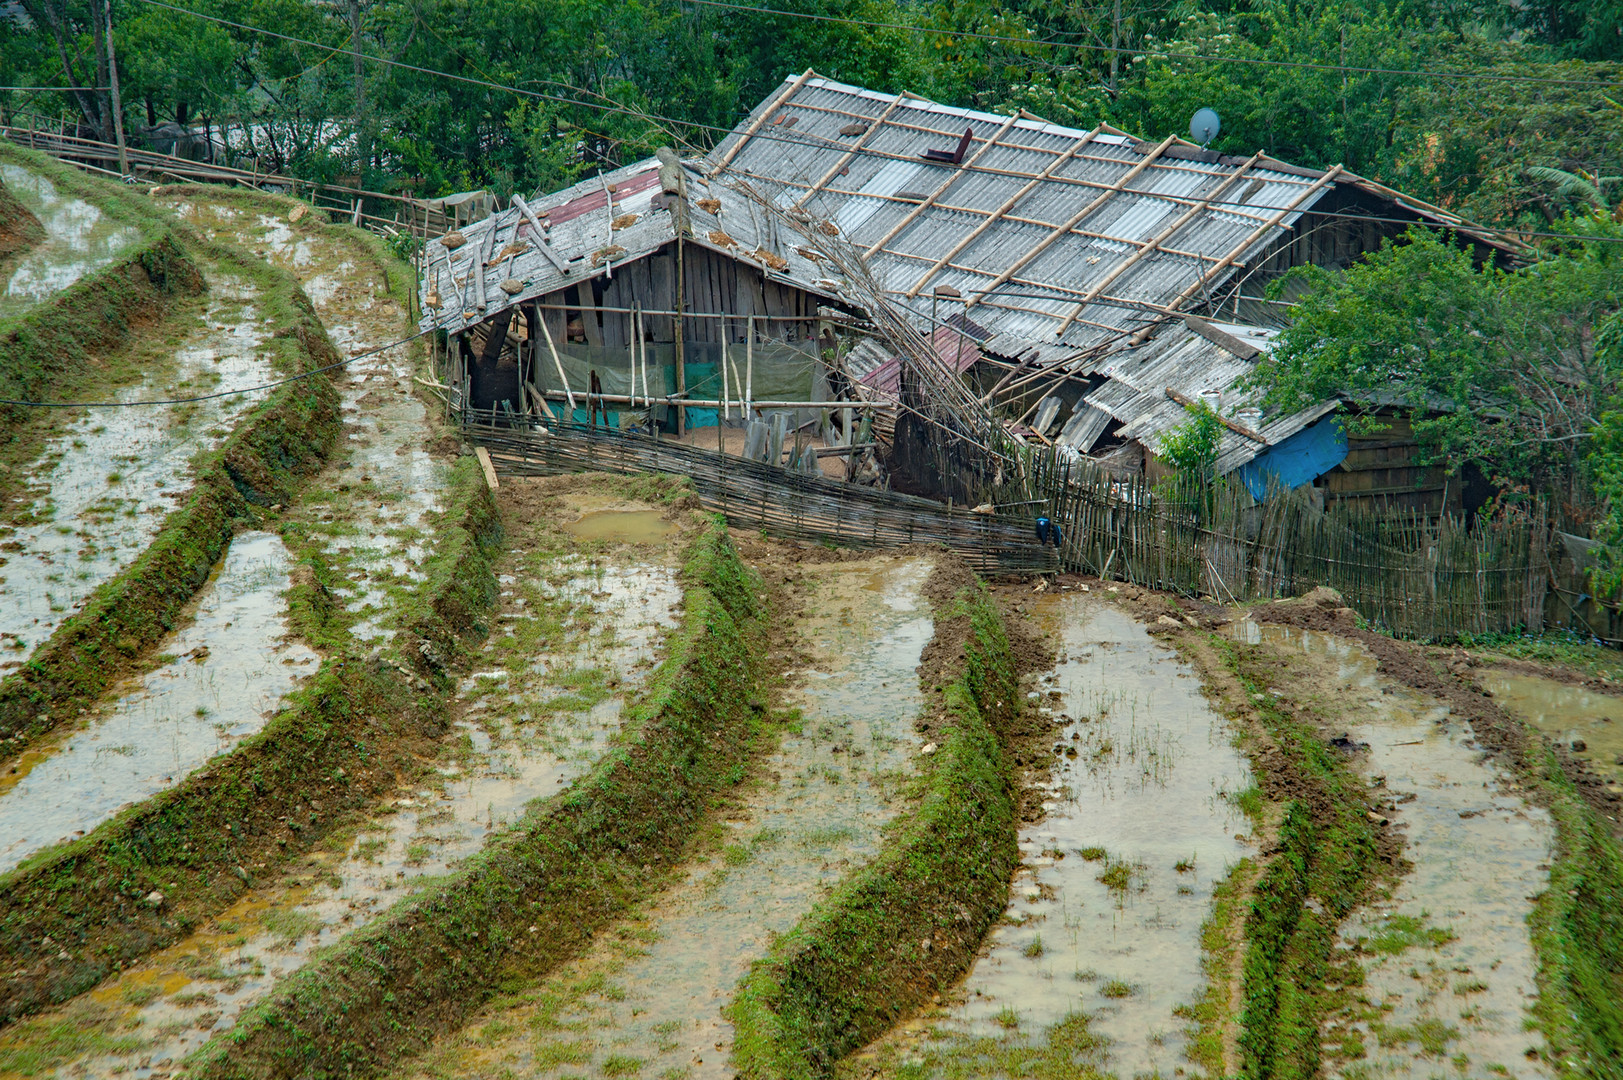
[(1494, 366)]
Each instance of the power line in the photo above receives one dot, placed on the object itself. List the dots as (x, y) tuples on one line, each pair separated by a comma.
[(1255, 61), (219, 393), (657, 119)]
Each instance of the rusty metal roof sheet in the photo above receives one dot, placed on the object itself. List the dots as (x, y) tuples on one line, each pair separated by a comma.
[(590, 236)]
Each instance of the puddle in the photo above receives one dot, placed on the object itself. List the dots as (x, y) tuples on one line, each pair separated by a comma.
[(651, 994), (386, 486), (527, 729), (108, 480), (1106, 909), (622, 526), (1449, 966), (1567, 714), (231, 667), (79, 238)]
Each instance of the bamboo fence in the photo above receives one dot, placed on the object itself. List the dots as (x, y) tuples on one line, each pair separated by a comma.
[(765, 497), (1415, 575)]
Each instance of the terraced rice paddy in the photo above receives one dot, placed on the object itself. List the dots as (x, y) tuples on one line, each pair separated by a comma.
[(422, 778)]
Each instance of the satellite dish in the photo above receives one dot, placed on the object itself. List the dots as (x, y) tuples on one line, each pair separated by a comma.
[(1205, 125)]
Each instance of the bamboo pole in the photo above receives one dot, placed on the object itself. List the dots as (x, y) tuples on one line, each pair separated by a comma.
[(559, 364)]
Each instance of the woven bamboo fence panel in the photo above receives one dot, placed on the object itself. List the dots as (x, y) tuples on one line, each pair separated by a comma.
[(756, 495), (1415, 575)]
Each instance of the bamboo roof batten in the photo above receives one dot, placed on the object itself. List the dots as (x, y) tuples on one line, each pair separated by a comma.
[(845, 159), (1075, 220), (1154, 243), (1000, 212), (1256, 235), (765, 115), (952, 178)]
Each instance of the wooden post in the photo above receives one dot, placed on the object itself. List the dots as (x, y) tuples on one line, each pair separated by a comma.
[(118, 102), (681, 352), (749, 370), (726, 407)]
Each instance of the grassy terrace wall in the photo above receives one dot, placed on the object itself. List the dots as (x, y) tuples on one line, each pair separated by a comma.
[(573, 863), (272, 448), (1577, 931), (344, 738), (19, 228), (1325, 860), (43, 351), (859, 961)]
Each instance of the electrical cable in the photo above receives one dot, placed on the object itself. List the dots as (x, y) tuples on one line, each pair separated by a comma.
[(1251, 61), (1255, 61)]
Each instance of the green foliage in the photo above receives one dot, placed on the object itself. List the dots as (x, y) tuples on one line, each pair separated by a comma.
[(1493, 366), (1191, 447)]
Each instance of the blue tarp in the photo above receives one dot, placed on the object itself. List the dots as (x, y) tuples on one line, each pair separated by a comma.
[(1300, 459)]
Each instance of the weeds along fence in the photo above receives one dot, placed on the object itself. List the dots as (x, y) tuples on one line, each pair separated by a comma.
[(1417, 576), (764, 497)]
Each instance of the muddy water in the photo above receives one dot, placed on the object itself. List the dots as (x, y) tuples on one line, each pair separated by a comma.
[(1449, 967), (390, 483), (648, 998), (1106, 909), (1570, 715), (79, 238), (227, 673), (506, 757), (624, 526), (108, 480)]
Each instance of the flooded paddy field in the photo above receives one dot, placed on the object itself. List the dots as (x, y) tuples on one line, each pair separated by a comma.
[(1449, 972), (218, 679), (649, 996), (104, 483), (577, 630), (366, 513), (79, 238)]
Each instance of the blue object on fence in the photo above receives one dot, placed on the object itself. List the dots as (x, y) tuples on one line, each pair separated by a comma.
[(1043, 525), (1054, 534), (1298, 460)]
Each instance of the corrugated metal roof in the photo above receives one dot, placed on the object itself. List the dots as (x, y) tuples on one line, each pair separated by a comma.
[(590, 238), (1178, 358), (1049, 173)]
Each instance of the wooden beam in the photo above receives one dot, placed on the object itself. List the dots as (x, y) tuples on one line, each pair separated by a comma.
[(1239, 429), (845, 159), (1154, 243), (1258, 233), (997, 214), (1076, 219), (485, 466), (777, 103), (957, 172)]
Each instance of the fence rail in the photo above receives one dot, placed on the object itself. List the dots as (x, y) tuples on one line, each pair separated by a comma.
[(756, 495), (413, 216)]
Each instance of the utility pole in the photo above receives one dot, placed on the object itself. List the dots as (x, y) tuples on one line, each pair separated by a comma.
[(1115, 46), (363, 144), (118, 104)]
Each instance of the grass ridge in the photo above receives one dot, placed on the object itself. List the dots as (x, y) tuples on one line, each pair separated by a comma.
[(73, 914), (903, 927), (570, 865)]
